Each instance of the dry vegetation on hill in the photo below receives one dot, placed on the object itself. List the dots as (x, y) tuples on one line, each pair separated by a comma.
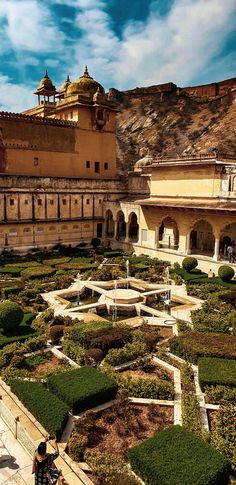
[(177, 125)]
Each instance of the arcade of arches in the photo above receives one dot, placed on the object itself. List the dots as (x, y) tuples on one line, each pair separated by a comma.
[(119, 229), (206, 236)]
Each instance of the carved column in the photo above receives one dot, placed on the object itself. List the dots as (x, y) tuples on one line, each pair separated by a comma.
[(127, 238), (115, 236), (216, 249), (187, 243)]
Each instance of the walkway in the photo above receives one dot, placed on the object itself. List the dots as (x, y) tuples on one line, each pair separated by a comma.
[(15, 463)]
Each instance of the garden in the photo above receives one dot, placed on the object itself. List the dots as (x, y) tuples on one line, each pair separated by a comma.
[(128, 369)]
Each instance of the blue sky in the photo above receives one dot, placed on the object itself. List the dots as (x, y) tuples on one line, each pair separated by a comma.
[(125, 43)]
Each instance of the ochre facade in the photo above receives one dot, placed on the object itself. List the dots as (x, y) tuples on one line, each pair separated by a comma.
[(59, 183)]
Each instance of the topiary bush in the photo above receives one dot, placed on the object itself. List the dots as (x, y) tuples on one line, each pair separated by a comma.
[(83, 388), (189, 263), (226, 273), (11, 315), (214, 371), (47, 408), (177, 457)]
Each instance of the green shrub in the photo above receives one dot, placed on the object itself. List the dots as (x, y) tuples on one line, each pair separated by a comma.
[(193, 345), (189, 263), (112, 254), (74, 351), (23, 264), (226, 273), (139, 259), (37, 272), (139, 267), (77, 266), (84, 332), (50, 411), (220, 394), (11, 315), (191, 416), (110, 469), (13, 271), (76, 446), (9, 290), (213, 371), (223, 433), (83, 388), (55, 261), (211, 321), (128, 353), (177, 457), (146, 387)]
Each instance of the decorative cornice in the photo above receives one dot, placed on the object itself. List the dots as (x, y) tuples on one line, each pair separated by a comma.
[(5, 115)]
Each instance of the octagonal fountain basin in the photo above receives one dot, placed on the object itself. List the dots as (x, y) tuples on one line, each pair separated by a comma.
[(122, 296)]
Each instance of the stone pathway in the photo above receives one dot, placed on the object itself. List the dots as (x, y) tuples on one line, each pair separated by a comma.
[(15, 463)]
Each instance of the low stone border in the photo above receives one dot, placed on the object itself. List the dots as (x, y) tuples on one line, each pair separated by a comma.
[(71, 471), (199, 394)]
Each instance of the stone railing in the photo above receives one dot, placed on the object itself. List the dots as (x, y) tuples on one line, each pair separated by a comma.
[(17, 429)]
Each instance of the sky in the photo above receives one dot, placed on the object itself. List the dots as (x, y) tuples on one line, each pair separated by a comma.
[(125, 43)]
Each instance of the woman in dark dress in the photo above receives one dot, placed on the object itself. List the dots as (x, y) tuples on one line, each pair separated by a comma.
[(43, 462)]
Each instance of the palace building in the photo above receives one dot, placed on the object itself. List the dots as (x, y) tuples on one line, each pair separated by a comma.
[(60, 183)]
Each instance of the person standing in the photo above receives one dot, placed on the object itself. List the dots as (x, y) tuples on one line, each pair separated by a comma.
[(44, 469), (230, 252)]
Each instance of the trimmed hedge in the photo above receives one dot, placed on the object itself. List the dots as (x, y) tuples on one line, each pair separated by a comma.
[(10, 290), (112, 254), (23, 264), (195, 275), (193, 345), (37, 272), (56, 261), (214, 372), (13, 271), (77, 266), (47, 408), (177, 457), (83, 388)]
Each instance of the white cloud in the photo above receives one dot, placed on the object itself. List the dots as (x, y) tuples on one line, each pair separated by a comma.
[(14, 97), (28, 26), (176, 47)]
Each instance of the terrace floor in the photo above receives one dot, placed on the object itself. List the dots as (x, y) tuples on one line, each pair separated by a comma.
[(15, 463)]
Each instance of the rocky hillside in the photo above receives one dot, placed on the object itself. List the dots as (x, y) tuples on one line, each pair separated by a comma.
[(173, 124)]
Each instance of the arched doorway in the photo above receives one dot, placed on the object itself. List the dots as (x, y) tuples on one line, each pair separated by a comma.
[(133, 227), (109, 223), (169, 234), (121, 226), (202, 238), (228, 237)]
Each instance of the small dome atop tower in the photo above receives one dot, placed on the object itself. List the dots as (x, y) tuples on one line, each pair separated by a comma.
[(46, 84), (85, 86), (65, 85)]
